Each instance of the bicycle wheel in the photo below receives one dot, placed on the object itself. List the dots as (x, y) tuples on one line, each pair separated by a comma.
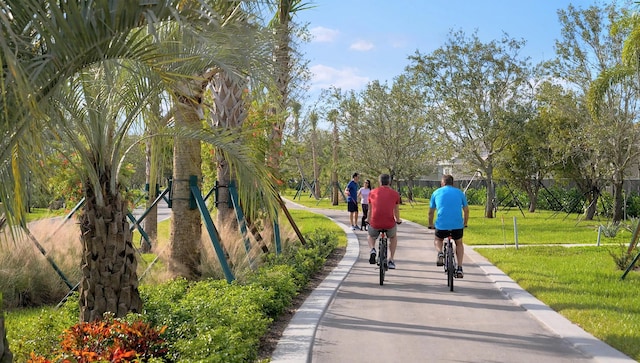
[(382, 252), (451, 269)]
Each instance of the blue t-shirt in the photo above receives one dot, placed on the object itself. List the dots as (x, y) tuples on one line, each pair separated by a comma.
[(353, 191), (448, 201)]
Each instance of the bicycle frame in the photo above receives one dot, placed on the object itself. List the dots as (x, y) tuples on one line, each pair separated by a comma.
[(382, 254), (450, 265)]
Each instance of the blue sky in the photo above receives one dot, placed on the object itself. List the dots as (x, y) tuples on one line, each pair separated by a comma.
[(358, 41)]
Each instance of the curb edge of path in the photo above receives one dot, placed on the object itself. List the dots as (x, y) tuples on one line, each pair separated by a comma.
[(296, 343)]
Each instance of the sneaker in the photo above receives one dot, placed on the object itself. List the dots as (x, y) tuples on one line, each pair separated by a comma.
[(354, 227), (392, 265), (440, 261), (372, 256), (459, 273)]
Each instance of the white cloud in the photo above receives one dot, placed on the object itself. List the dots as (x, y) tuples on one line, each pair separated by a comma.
[(361, 45), (323, 35), (345, 78)]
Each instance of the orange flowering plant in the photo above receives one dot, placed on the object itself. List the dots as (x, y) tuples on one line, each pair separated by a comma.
[(108, 340)]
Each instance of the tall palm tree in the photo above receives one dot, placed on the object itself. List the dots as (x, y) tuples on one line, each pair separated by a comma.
[(249, 58), (282, 25)]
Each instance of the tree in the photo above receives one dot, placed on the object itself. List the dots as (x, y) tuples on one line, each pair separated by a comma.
[(94, 114), (47, 74), (588, 48), (283, 28), (527, 159), (476, 94), (224, 71), (613, 100), (388, 130)]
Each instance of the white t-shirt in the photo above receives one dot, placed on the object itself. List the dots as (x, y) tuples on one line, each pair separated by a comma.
[(364, 194)]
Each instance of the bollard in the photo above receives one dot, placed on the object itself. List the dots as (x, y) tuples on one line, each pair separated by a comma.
[(515, 231)]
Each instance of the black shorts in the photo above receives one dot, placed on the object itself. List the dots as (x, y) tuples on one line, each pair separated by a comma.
[(456, 234), (352, 206)]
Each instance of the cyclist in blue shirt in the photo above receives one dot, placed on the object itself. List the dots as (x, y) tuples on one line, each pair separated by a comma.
[(452, 217)]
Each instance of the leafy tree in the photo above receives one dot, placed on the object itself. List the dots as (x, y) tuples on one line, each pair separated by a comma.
[(588, 48), (613, 101), (526, 160), (476, 94), (388, 125)]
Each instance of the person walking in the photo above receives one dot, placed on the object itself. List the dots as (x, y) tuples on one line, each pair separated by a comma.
[(452, 217), (384, 213), (363, 197), (352, 200)]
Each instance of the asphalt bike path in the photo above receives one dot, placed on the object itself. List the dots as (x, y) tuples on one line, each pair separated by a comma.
[(414, 317)]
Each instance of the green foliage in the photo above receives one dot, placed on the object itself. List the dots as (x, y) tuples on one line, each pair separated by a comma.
[(477, 196), (610, 229), (282, 283), (621, 257), (38, 330), (213, 319)]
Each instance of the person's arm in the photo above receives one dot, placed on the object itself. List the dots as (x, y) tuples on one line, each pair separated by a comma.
[(396, 213), (431, 214), (465, 212)]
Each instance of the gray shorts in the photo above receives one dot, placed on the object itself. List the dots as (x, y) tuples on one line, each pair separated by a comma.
[(374, 232)]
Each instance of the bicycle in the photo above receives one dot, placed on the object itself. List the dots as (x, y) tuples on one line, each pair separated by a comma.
[(382, 254), (450, 264), (382, 259)]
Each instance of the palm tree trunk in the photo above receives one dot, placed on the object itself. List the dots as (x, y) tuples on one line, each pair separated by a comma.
[(109, 280), (229, 113), (186, 224), (313, 119), (334, 175)]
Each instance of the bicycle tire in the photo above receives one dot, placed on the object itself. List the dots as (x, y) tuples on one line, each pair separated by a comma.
[(450, 265), (382, 252)]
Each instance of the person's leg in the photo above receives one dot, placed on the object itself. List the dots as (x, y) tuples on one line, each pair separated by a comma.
[(371, 240), (393, 243), (438, 244), (355, 217), (459, 251)]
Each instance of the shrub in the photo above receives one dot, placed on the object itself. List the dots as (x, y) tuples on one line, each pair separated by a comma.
[(621, 257), (206, 321), (610, 229)]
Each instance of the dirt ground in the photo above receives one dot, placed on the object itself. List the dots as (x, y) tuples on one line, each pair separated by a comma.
[(270, 340)]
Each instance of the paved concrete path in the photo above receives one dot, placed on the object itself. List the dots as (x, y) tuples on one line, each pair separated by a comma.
[(415, 318)]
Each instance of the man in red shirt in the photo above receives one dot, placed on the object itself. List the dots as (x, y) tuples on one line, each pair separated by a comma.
[(384, 213)]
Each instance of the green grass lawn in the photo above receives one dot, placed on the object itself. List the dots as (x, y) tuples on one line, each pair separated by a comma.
[(581, 283)]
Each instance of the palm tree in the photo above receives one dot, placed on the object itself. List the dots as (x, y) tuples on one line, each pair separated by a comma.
[(282, 26), (92, 114), (48, 71), (249, 59)]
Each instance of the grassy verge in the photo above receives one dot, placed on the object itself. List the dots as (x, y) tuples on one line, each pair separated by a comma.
[(581, 283)]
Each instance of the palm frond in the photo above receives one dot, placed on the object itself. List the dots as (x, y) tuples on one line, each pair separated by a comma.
[(601, 85)]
